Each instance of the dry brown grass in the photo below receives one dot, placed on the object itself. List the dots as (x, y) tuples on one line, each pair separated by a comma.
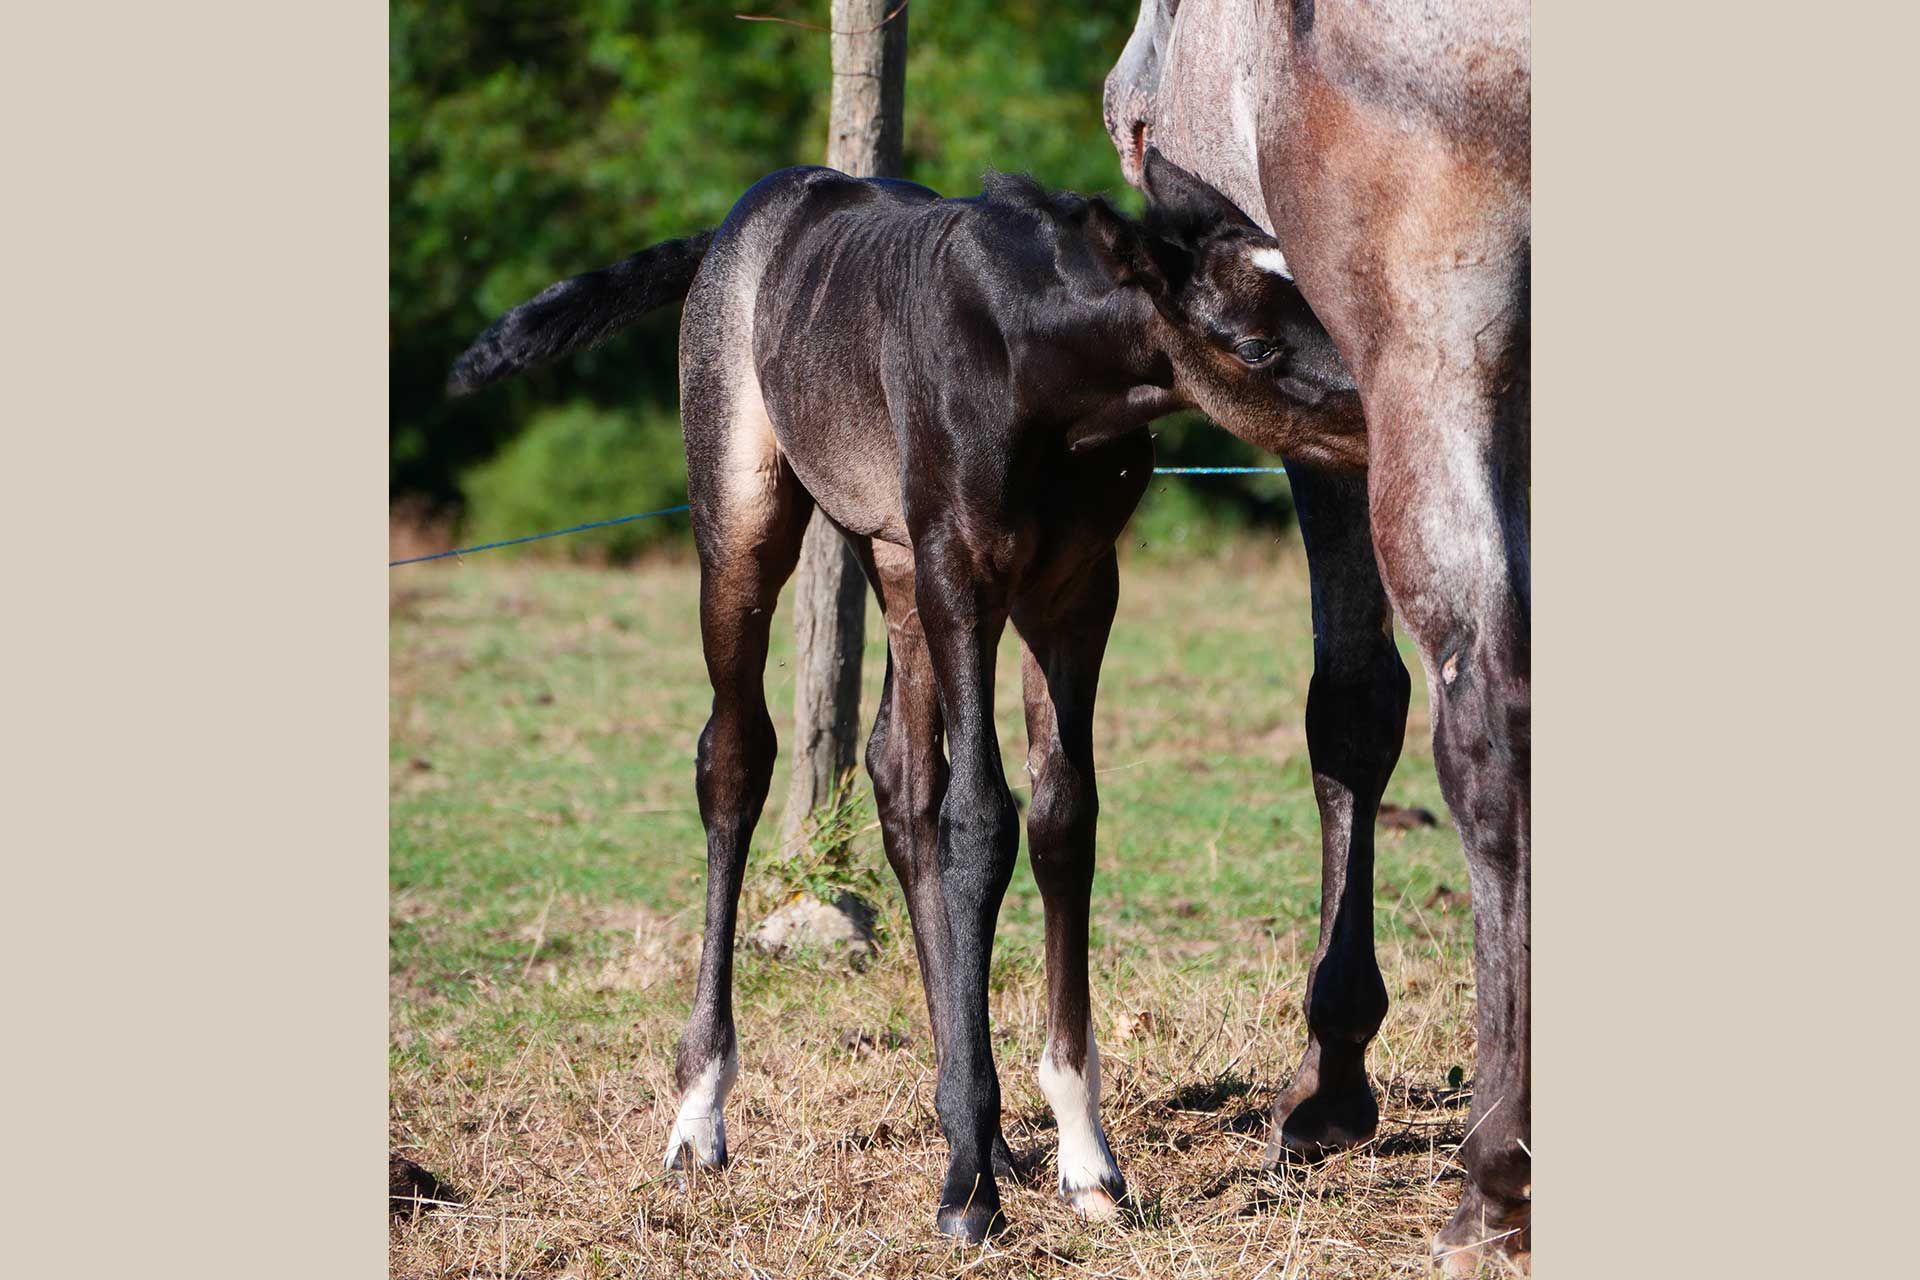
[(541, 793), (836, 1155)]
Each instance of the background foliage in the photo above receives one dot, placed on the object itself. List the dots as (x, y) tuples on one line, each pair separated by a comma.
[(530, 140)]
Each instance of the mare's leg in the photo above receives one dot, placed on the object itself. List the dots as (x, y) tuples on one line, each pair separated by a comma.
[(962, 603), (1356, 720), (1449, 478), (1065, 637), (749, 513)]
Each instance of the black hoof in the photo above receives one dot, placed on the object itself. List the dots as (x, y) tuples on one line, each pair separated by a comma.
[(972, 1223), (1319, 1128), (1329, 1108)]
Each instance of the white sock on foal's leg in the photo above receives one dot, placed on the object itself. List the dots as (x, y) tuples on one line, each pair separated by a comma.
[(1089, 1180), (699, 1123)]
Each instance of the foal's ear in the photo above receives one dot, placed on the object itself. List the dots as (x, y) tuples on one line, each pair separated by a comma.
[(1122, 249), (1182, 207)]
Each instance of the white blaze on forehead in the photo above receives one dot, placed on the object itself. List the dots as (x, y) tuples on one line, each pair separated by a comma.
[(699, 1120), (1271, 260)]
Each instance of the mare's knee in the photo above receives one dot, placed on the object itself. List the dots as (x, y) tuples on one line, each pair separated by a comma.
[(1483, 747)]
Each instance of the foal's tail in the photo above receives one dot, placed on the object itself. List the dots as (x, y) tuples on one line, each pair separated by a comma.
[(579, 313)]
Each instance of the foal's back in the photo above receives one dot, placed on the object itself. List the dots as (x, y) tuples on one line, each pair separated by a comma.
[(880, 322)]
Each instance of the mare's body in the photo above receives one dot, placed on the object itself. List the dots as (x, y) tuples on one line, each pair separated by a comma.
[(1386, 146)]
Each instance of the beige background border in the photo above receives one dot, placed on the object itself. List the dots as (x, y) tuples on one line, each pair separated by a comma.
[(1721, 899), (195, 470), (196, 765)]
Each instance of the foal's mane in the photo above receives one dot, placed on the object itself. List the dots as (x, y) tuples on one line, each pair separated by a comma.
[(1024, 191), (1118, 242)]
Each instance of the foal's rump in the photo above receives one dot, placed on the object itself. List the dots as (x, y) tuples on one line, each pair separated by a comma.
[(781, 348)]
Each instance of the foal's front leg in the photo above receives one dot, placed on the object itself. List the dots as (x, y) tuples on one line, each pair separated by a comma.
[(963, 608), (909, 774), (1060, 668)]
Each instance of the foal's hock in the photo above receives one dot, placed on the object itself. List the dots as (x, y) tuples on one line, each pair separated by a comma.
[(963, 387)]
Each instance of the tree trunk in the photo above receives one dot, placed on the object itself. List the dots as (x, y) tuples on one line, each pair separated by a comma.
[(830, 592)]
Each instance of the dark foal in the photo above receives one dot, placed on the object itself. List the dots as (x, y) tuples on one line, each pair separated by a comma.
[(963, 386), (1386, 145)]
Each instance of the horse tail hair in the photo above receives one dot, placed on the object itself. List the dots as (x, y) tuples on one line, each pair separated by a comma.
[(583, 312)]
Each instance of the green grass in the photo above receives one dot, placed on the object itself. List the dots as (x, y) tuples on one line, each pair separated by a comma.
[(547, 872)]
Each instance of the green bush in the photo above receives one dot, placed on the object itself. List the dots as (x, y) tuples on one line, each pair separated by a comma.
[(581, 462), (533, 140)]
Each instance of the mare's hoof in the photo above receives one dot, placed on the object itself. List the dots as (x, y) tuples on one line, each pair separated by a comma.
[(1315, 1137), (1098, 1203), (1321, 1113), (972, 1223), (1485, 1239)]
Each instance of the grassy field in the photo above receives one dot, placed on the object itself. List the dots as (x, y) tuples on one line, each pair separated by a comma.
[(547, 868)]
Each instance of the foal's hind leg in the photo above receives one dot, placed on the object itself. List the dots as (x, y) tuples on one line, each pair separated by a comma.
[(749, 514), (1066, 638), (909, 772), (1356, 719)]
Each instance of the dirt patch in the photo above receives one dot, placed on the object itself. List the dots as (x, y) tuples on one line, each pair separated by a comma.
[(858, 1042), (663, 950), (416, 528)]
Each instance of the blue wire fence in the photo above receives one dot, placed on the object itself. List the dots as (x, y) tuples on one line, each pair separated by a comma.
[(671, 511)]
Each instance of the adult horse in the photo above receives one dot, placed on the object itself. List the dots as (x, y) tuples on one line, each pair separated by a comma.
[(1386, 146)]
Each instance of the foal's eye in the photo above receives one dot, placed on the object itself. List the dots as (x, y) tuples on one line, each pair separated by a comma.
[(1255, 351)]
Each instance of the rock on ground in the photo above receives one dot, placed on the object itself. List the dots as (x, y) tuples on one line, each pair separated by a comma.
[(844, 925)]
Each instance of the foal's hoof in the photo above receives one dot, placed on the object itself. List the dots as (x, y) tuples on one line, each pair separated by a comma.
[(971, 1223), (684, 1157), (1322, 1112), (1485, 1239), (1098, 1203)]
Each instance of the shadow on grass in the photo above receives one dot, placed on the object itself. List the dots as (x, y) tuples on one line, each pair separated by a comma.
[(1209, 1095)]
